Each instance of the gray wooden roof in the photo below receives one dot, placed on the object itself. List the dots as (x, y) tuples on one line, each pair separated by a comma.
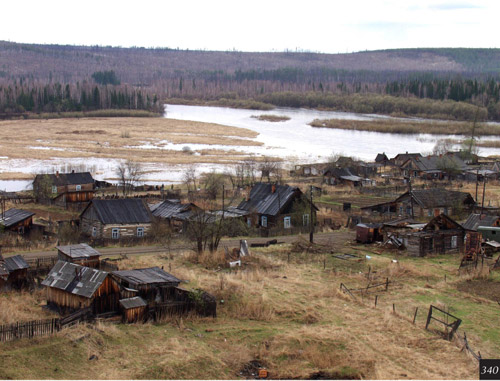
[(152, 275), (262, 200), (169, 209), (75, 279), (475, 220), (80, 250), (14, 216), (78, 178), (15, 262), (121, 211), (433, 198), (134, 302)]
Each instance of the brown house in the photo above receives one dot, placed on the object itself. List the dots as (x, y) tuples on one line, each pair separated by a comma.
[(133, 309), (16, 220), (116, 219), (13, 272), (431, 167), (174, 213), (441, 235), (80, 254), (64, 189), (72, 287)]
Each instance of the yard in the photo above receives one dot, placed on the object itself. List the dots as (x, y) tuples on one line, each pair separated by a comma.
[(283, 311)]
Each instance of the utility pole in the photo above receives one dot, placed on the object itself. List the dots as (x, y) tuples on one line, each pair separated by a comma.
[(477, 182), (411, 196), (311, 226), (484, 191)]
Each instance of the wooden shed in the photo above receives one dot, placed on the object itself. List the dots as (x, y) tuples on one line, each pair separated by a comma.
[(72, 287), (441, 235), (16, 220), (369, 233), (152, 284), (13, 272), (133, 309), (80, 254)]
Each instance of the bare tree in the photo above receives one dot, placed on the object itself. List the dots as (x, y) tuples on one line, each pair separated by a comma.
[(189, 178), (271, 168), (129, 174)]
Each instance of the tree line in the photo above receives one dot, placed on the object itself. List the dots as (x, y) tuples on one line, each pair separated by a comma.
[(36, 97)]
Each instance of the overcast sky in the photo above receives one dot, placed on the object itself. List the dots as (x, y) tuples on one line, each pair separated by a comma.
[(255, 25)]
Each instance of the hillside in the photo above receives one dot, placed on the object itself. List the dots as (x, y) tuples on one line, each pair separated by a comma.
[(144, 66)]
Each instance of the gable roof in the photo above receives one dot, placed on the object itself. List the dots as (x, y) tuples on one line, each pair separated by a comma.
[(77, 251), (381, 157), (169, 209), (75, 279), (150, 275), (405, 156), (443, 222), (120, 211), (15, 262), (73, 178), (14, 216), (433, 198), (263, 200), (438, 162), (474, 221), (340, 172)]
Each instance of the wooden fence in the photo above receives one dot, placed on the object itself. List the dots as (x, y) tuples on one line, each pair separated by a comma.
[(29, 329)]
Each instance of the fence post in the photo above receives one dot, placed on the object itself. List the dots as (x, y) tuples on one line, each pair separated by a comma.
[(393, 308), (428, 317), (376, 298), (386, 284)]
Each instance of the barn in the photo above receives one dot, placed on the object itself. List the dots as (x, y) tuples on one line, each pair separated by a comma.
[(13, 272), (16, 220), (80, 254)]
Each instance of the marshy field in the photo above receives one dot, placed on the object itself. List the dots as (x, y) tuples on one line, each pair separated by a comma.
[(284, 311)]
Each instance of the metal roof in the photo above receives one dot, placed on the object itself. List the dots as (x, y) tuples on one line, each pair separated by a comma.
[(75, 279), (264, 201), (475, 220), (146, 276), (14, 263), (168, 209), (134, 302), (121, 211), (433, 198), (14, 216), (80, 250)]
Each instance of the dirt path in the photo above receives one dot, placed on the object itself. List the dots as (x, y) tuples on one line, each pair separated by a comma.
[(335, 240)]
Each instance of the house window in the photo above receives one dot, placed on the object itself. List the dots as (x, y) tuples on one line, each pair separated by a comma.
[(305, 219), (140, 232), (115, 233), (249, 222), (94, 231), (78, 187), (454, 241), (429, 213), (287, 222), (54, 189), (263, 221)]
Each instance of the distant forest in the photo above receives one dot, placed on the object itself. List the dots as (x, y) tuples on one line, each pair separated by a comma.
[(450, 83)]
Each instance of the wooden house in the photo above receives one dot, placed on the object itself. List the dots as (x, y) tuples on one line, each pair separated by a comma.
[(133, 309), (345, 176), (13, 272), (434, 166), (152, 284), (270, 206), (116, 219), (382, 159), (441, 235), (474, 221), (401, 158), (80, 254), (72, 287), (64, 189), (174, 212), (432, 202), (16, 220)]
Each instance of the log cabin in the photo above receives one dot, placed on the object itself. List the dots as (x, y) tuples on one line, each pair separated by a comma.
[(116, 219)]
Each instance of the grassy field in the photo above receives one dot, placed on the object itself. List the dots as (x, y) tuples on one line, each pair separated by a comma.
[(283, 310), (138, 139), (409, 127)]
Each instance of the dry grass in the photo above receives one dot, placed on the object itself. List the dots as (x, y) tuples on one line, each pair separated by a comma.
[(408, 127), (113, 137), (271, 118), (23, 306), (290, 317)]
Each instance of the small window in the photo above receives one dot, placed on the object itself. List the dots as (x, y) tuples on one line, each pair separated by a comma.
[(287, 222), (115, 233), (249, 222), (429, 213), (140, 232), (263, 221), (454, 241), (54, 189), (305, 219), (78, 187), (94, 231)]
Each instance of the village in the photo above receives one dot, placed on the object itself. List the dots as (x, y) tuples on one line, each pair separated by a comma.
[(79, 253)]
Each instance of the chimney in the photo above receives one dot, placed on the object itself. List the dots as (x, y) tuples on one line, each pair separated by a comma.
[(57, 173), (72, 171), (273, 188)]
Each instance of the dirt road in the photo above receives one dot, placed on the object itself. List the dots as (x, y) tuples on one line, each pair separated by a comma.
[(335, 240)]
